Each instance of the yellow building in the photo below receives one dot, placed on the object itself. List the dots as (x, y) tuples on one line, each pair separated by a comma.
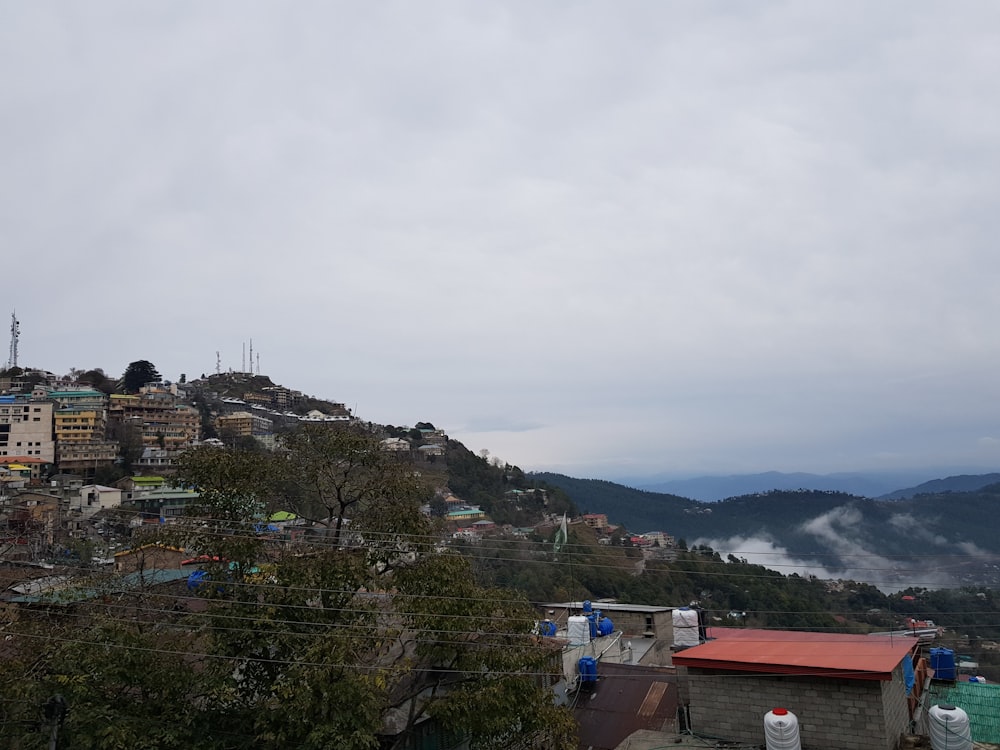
[(75, 424), (237, 424)]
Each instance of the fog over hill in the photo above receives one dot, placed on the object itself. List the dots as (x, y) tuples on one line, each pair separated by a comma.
[(932, 540)]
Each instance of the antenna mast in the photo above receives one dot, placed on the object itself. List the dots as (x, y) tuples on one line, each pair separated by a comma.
[(251, 355), (15, 333), (218, 362)]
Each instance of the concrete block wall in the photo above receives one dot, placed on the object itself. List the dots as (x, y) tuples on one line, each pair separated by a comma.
[(897, 710), (833, 714)]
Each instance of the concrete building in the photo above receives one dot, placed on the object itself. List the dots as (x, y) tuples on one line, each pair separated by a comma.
[(161, 421), (93, 498), (847, 691), (634, 620), (26, 428), (86, 457)]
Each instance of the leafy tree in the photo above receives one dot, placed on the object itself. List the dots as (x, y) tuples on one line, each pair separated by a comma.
[(98, 379), (322, 656), (137, 374), (333, 476)]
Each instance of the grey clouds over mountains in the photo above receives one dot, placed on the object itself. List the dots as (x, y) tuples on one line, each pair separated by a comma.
[(626, 239)]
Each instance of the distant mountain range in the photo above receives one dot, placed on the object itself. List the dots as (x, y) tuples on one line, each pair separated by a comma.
[(944, 532), (865, 484)]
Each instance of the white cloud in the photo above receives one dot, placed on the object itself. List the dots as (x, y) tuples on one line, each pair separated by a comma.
[(666, 236)]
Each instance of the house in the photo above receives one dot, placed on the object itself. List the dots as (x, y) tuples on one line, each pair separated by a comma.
[(648, 630), (430, 451), (464, 515), (94, 497), (597, 521), (396, 445), (658, 539), (847, 691), (164, 502)]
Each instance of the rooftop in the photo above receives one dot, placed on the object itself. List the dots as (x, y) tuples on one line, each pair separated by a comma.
[(859, 657), (610, 607)]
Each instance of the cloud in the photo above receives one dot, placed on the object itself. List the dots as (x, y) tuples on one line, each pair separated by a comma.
[(763, 551), (692, 238)]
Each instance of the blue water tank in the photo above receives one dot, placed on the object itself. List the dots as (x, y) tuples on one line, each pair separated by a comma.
[(547, 628), (588, 670), (586, 605), (605, 626), (943, 663), (196, 579)]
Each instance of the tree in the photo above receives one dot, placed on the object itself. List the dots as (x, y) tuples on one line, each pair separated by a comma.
[(137, 374), (323, 655), (335, 475), (314, 643), (98, 379)]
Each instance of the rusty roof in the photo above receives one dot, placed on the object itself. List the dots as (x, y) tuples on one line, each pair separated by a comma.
[(627, 698), (859, 657)]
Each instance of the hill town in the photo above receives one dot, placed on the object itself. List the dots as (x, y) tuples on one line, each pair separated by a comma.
[(223, 561)]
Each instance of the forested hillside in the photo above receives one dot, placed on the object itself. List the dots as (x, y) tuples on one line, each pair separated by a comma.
[(890, 543)]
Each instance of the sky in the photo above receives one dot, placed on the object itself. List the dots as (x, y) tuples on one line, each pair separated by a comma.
[(607, 239)]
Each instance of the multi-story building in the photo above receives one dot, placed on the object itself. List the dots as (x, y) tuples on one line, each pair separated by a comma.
[(161, 421), (237, 424), (79, 424), (26, 428), (85, 457)]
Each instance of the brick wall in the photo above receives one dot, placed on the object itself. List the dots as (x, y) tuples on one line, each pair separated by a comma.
[(833, 714)]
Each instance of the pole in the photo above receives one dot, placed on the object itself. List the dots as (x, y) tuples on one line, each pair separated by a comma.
[(55, 712)]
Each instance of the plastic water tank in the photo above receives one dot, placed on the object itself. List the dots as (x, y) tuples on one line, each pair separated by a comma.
[(949, 728), (588, 670), (685, 627), (781, 730), (578, 630), (943, 663)]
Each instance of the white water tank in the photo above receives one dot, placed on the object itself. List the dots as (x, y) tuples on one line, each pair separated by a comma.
[(949, 728), (685, 622), (578, 630), (781, 730)]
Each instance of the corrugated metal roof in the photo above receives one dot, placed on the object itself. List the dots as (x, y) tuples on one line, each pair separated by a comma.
[(982, 703), (792, 652), (627, 698)]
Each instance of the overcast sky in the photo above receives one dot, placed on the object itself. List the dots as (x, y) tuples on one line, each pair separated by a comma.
[(607, 239)]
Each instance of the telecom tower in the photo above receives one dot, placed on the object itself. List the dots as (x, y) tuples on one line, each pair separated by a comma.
[(15, 333)]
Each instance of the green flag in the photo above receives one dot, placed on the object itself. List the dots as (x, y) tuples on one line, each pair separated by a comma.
[(560, 536)]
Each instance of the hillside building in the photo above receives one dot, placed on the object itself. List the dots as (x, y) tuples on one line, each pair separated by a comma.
[(847, 691), (26, 430), (161, 421)]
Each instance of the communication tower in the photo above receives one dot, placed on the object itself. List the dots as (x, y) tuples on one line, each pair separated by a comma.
[(15, 333)]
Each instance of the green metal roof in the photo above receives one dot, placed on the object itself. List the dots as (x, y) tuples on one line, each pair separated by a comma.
[(148, 480), (981, 701)]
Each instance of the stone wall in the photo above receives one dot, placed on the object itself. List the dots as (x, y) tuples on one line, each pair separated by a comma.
[(833, 713)]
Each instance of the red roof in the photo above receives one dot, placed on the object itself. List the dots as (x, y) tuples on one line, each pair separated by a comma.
[(22, 460), (859, 657)]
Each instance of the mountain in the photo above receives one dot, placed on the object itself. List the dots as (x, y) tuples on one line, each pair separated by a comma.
[(712, 488), (939, 539), (960, 483)]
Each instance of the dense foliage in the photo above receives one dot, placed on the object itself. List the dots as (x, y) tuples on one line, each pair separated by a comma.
[(347, 638)]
